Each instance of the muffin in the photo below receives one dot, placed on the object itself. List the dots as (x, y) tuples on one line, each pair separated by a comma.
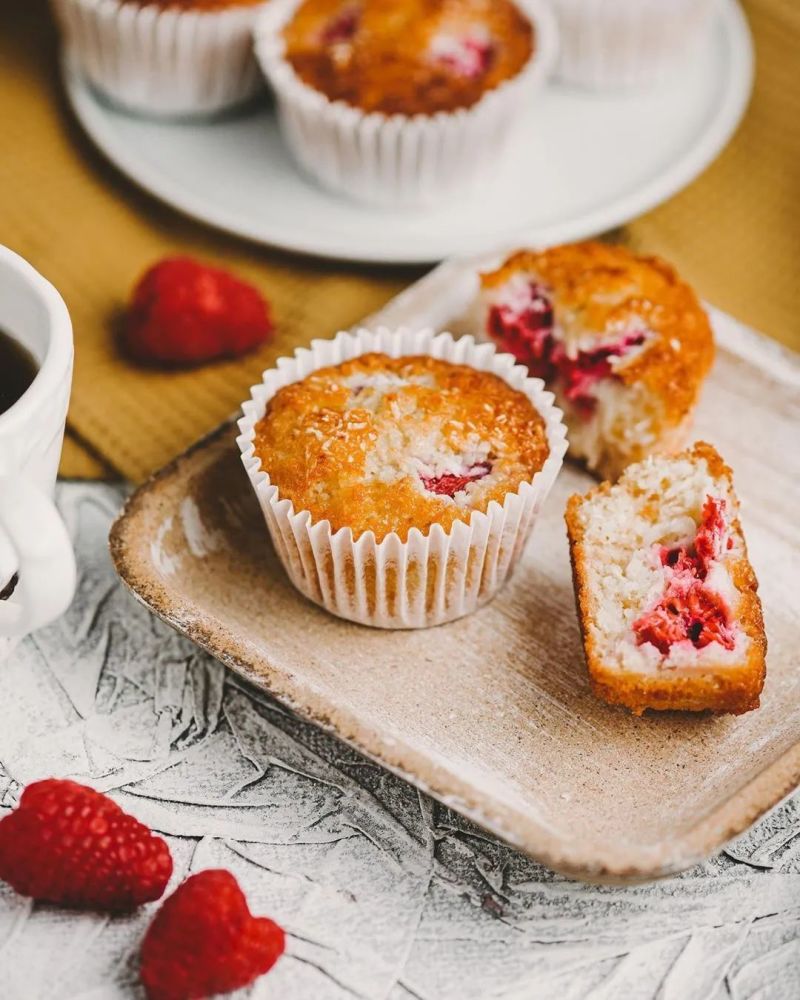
[(621, 340), (399, 472), (667, 599), (619, 44), (164, 58), (402, 102)]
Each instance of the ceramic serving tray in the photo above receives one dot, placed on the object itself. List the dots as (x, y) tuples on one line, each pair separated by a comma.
[(492, 714)]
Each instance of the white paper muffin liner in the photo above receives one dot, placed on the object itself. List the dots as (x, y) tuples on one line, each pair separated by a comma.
[(428, 579), (398, 160), (163, 62), (618, 44)]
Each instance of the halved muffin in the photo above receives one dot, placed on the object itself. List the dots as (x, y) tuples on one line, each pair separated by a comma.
[(621, 340), (666, 595)]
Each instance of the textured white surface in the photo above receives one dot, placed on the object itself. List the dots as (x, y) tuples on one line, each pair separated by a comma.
[(385, 894)]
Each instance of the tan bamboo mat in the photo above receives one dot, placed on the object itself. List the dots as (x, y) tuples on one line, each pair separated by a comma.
[(735, 233)]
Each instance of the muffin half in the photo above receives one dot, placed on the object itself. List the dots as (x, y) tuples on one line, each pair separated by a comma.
[(667, 598), (621, 340)]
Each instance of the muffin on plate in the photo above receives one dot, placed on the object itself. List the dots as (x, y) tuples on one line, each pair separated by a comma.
[(400, 472), (164, 58), (402, 101), (621, 340), (619, 44), (667, 598)]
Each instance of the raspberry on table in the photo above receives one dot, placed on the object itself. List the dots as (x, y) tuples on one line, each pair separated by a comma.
[(184, 313), (68, 844), (204, 940)]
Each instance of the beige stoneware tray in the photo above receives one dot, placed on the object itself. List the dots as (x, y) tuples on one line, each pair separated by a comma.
[(492, 714)]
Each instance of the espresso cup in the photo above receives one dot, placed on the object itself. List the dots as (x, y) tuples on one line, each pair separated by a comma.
[(35, 548)]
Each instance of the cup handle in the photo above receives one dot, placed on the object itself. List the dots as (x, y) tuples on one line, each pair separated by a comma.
[(45, 561)]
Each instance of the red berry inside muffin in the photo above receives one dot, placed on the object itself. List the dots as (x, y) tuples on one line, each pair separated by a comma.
[(666, 595), (408, 57), (389, 444), (690, 610), (621, 340)]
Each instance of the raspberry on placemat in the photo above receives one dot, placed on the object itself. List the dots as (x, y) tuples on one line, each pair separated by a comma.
[(185, 313)]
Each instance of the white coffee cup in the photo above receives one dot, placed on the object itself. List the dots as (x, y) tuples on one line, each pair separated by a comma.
[(34, 542)]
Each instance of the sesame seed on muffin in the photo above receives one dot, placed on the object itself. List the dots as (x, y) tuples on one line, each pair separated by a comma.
[(389, 444)]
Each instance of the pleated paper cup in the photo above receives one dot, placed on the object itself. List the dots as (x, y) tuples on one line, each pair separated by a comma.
[(398, 160), (620, 44), (429, 578), (163, 62)]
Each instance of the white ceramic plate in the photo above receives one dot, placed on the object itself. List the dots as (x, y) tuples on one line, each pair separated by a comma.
[(582, 164)]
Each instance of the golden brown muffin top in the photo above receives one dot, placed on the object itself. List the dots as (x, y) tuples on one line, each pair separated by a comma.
[(202, 6), (388, 444), (600, 292), (407, 57)]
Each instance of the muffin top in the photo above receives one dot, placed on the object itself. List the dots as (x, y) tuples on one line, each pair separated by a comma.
[(387, 444), (573, 311), (407, 57)]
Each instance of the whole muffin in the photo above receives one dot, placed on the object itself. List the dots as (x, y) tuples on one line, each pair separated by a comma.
[(399, 488), (402, 101), (164, 58), (621, 340)]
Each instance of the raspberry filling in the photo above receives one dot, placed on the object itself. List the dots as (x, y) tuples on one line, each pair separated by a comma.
[(468, 55), (450, 483), (689, 609), (529, 335), (342, 27)]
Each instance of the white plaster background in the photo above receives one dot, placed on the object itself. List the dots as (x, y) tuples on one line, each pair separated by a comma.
[(385, 894)]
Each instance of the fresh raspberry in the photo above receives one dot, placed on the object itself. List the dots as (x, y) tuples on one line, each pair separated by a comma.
[(204, 940), (69, 844), (183, 312)]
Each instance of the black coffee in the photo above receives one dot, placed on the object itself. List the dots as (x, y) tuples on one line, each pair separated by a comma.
[(17, 371)]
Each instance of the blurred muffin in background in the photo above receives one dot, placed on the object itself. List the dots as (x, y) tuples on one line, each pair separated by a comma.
[(164, 58), (402, 101), (616, 44), (411, 58)]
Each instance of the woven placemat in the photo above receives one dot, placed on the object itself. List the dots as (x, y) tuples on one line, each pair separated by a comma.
[(734, 233)]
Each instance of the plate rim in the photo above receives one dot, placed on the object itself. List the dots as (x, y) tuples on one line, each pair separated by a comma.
[(731, 23)]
